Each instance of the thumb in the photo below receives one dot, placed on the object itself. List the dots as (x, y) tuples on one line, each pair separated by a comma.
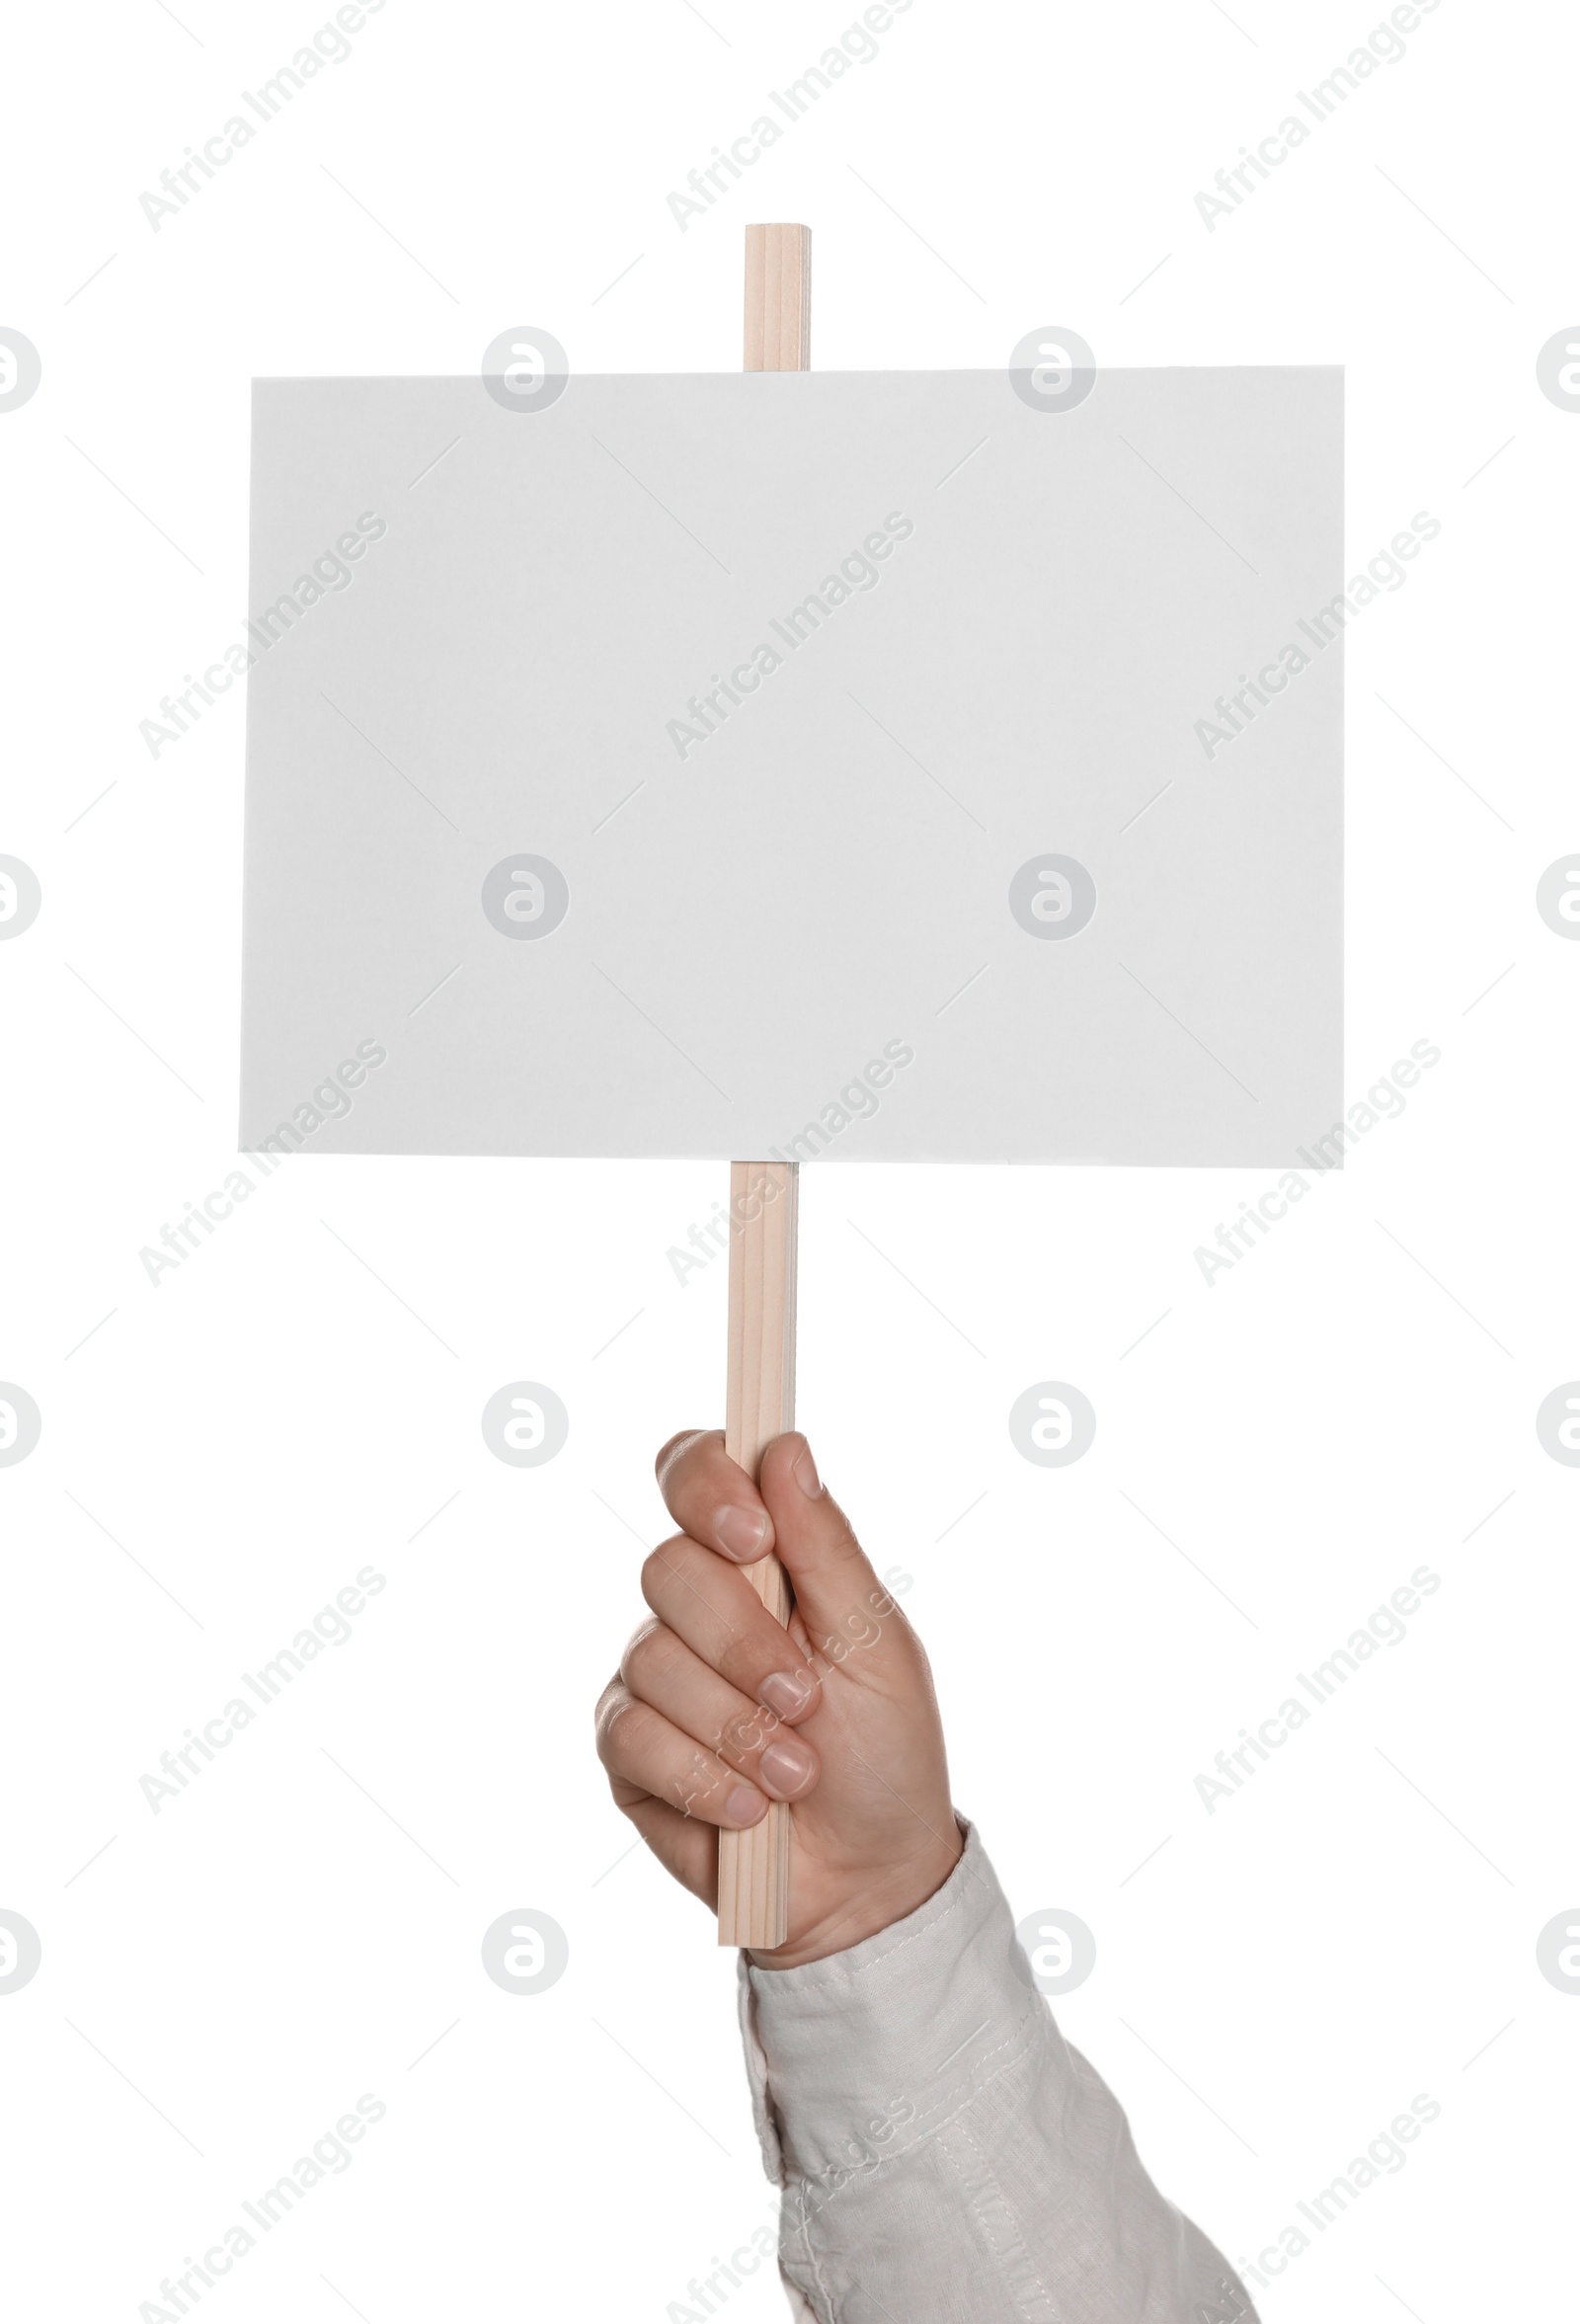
[(838, 1596)]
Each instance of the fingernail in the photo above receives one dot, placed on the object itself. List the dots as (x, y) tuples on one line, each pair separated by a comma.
[(805, 1470), (742, 1531), (784, 1768), (745, 1805), (786, 1691)]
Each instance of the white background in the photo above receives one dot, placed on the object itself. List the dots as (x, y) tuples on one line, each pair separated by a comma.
[(1349, 1403)]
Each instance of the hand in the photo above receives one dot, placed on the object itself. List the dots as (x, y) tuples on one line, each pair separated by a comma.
[(716, 1709)]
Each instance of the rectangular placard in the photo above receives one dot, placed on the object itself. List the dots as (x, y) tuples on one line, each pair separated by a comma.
[(866, 767)]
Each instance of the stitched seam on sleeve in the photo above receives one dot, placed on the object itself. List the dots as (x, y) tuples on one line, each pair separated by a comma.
[(990, 2180), (808, 2209), (810, 2250), (1018, 2043), (807, 2187)]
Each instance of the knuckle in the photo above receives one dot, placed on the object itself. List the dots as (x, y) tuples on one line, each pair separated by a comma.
[(663, 1566), (650, 1653), (745, 1731), (657, 1568), (625, 1726), (676, 1449)]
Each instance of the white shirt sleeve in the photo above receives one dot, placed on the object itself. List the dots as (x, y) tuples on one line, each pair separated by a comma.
[(941, 2148)]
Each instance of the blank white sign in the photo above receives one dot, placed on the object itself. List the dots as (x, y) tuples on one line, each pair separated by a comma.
[(861, 767)]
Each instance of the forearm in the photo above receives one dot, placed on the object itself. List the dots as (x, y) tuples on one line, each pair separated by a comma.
[(942, 2148)]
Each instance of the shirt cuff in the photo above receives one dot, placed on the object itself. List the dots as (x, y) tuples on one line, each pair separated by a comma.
[(854, 2058)]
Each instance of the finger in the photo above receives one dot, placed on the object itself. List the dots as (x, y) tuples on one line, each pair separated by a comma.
[(712, 1498), (714, 1608), (687, 1849), (645, 1750), (839, 1595), (662, 1670)]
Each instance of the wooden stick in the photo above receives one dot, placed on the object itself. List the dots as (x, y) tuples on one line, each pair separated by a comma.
[(759, 1404), (779, 333), (761, 1385)]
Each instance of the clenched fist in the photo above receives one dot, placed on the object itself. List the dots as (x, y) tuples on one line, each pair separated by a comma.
[(715, 1710)]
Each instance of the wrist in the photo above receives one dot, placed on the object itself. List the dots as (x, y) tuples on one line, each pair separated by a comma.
[(892, 1895)]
